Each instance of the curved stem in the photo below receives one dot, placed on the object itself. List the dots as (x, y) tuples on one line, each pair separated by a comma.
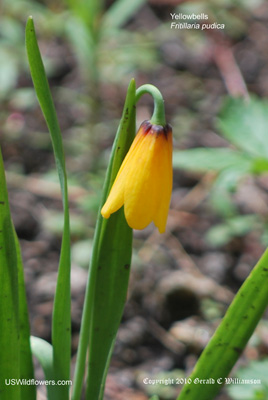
[(158, 117)]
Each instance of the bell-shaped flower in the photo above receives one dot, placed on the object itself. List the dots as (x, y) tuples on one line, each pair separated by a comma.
[(144, 181)]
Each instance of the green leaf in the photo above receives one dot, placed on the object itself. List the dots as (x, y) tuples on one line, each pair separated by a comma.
[(112, 264), (14, 329), (120, 12), (210, 159), (87, 11), (244, 123), (231, 337), (61, 324), (43, 351), (108, 273), (26, 363), (9, 300), (84, 45), (227, 179), (110, 295), (260, 165)]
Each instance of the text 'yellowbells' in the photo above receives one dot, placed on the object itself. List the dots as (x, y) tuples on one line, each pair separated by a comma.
[(144, 181)]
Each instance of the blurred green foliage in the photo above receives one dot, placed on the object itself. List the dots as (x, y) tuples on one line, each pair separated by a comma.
[(243, 123), (256, 370), (103, 48)]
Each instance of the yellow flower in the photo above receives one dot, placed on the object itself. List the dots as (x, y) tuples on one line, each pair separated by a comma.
[(144, 181)]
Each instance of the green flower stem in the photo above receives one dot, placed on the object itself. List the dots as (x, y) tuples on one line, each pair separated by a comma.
[(231, 337), (158, 117)]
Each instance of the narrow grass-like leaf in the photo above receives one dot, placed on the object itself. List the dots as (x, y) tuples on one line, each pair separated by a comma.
[(9, 300), (108, 273), (20, 320), (87, 11), (231, 337), (26, 363), (83, 45), (112, 266), (110, 296), (61, 335)]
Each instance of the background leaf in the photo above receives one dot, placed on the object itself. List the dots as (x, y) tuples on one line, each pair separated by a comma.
[(210, 159), (119, 12), (256, 370), (43, 351), (221, 234), (245, 124)]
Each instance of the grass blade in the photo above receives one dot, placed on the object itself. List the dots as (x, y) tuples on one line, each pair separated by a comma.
[(61, 335), (110, 296), (232, 335), (26, 363), (9, 301), (107, 250), (112, 266)]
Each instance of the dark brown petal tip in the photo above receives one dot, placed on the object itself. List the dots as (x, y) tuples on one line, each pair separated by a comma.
[(157, 130)]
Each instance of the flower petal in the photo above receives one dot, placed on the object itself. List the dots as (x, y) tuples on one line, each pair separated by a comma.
[(164, 156), (140, 187), (115, 199)]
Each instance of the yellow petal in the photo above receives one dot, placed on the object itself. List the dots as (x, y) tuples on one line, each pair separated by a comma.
[(115, 199), (140, 188), (164, 155)]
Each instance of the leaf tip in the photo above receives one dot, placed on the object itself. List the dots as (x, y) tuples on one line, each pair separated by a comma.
[(132, 85), (30, 23)]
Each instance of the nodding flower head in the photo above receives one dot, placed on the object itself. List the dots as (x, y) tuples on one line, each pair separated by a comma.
[(144, 181)]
